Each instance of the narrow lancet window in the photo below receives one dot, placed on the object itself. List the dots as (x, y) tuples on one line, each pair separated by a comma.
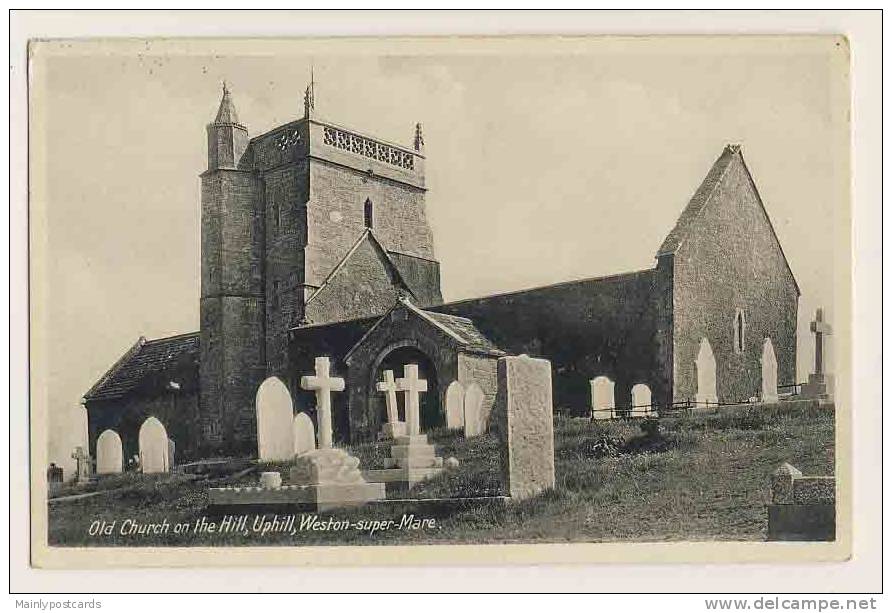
[(369, 213)]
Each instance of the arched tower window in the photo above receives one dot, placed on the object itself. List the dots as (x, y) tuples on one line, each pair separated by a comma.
[(369, 213), (739, 331)]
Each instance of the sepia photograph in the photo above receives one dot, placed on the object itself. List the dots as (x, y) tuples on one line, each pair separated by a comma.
[(478, 291)]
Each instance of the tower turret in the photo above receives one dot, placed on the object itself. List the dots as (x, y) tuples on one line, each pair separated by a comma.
[(227, 138)]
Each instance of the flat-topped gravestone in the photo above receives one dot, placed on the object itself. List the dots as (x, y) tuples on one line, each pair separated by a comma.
[(642, 405), (802, 508), (525, 424), (393, 427), (602, 398), (153, 449), (476, 416), (706, 389), (304, 434), (275, 414), (769, 373), (109, 453), (455, 406)]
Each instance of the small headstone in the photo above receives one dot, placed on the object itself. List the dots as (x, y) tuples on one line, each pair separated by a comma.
[(154, 453), (171, 453), (769, 373), (270, 479), (706, 389), (525, 424), (451, 463), (455, 406), (275, 416), (641, 400), (603, 405), (54, 474), (475, 417), (304, 434), (109, 453)]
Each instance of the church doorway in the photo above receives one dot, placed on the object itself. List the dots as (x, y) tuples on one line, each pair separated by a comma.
[(431, 415)]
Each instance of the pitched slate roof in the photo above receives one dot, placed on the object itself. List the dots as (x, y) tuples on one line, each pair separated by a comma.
[(461, 329), (367, 234), (465, 329), (144, 359), (226, 114)]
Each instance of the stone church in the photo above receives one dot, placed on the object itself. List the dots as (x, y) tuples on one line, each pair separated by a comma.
[(315, 242)]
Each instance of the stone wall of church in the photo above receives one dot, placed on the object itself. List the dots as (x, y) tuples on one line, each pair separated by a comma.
[(586, 328), (178, 411), (336, 216), (730, 262), (284, 190), (232, 353), (363, 287)]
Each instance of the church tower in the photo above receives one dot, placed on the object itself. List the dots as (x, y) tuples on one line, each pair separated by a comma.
[(308, 223), (232, 297), (346, 227)]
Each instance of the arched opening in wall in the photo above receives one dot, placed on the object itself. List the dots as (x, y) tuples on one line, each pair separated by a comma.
[(369, 213), (739, 331), (431, 414), (705, 364)]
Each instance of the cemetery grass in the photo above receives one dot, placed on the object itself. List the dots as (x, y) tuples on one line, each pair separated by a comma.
[(704, 477)]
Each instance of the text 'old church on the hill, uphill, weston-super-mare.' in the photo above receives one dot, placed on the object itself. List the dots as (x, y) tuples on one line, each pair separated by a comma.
[(315, 242)]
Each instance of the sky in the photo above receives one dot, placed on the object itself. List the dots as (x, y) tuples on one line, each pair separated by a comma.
[(547, 160)]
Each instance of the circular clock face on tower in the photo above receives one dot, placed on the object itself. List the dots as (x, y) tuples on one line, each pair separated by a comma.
[(287, 139)]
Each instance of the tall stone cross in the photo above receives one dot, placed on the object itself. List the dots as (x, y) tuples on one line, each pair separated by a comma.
[(820, 328), (323, 384), (389, 387), (83, 463), (412, 386)]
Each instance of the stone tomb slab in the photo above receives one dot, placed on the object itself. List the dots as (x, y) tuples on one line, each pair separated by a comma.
[(317, 497)]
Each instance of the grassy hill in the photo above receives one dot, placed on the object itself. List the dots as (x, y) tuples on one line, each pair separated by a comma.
[(701, 477)]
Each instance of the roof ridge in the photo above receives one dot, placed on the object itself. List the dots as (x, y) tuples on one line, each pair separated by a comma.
[(126, 357), (343, 262), (699, 199)]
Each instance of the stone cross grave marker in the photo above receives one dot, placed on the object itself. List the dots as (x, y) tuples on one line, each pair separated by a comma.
[(83, 464), (412, 386), (394, 427), (819, 384), (820, 328), (323, 384)]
